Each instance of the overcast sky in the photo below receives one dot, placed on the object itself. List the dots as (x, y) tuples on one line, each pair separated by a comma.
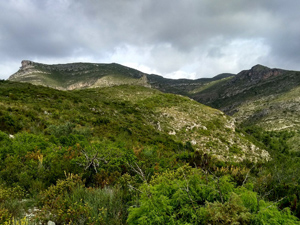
[(173, 38)]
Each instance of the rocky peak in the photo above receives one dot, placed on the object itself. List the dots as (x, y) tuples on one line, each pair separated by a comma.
[(256, 74), (27, 67), (26, 64)]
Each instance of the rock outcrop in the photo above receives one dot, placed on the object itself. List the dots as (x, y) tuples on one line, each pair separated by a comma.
[(26, 64)]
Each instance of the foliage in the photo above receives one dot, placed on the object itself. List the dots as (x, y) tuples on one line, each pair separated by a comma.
[(271, 215), (56, 206), (279, 178), (23, 221), (70, 202), (190, 196), (231, 212), (9, 203), (275, 141), (105, 156)]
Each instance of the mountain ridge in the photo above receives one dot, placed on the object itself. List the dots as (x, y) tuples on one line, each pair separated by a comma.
[(76, 75), (89, 75)]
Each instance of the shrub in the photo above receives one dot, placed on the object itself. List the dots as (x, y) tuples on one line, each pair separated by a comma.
[(178, 197), (269, 214), (5, 216), (231, 212), (70, 202), (10, 205)]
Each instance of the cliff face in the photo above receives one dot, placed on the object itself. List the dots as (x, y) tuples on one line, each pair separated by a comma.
[(26, 64)]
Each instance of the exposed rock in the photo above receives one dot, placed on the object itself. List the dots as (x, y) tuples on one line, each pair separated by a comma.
[(255, 75), (26, 64)]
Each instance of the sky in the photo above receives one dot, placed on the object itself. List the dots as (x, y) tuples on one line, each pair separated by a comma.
[(173, 38)]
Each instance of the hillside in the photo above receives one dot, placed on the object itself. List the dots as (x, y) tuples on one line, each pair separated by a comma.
[(130, 154), (137, 112), (261, 96), (90, 75)]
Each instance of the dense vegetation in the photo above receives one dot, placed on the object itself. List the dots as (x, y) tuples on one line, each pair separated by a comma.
[(100, 156)]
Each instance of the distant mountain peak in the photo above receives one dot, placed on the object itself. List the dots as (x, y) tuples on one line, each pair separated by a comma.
[(259, 67), (256, 74)]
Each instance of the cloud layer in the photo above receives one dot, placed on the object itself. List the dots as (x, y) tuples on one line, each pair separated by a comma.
[(176, 39)]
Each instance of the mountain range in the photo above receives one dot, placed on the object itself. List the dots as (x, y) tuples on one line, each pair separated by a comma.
[(262, 96)]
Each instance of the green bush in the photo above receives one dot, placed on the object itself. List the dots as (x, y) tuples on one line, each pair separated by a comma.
[(10, 203), (269, 214), (178, 197), (70, 202), (231, 212), (190, 196)]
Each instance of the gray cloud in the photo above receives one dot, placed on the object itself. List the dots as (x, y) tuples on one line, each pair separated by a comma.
[(173, 38)]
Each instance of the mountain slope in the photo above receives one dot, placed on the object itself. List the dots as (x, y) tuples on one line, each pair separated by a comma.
[(262, 96), (142, 115)]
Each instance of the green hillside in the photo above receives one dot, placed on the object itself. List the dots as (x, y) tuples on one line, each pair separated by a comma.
[(138, 113), (134, 155)]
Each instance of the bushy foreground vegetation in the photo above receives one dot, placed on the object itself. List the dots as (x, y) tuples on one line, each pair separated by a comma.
[(193, 196), (89, 157)]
